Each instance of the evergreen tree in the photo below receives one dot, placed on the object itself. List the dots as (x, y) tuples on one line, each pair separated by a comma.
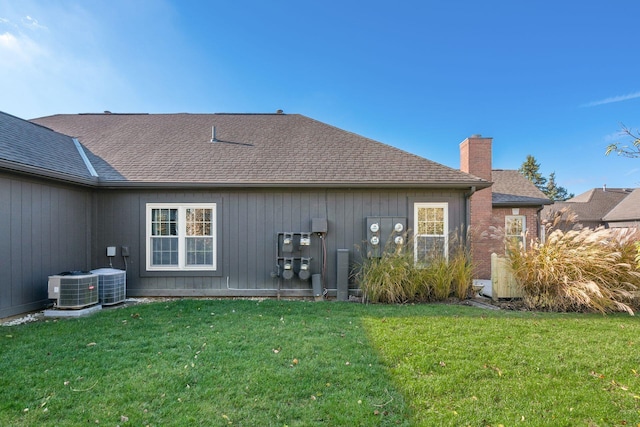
[(531, 170), (554, 191)]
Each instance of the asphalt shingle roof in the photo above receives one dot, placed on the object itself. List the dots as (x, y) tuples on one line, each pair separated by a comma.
[(627, 210), (28, 146), (510, 187), (252, 149), (592, 205)]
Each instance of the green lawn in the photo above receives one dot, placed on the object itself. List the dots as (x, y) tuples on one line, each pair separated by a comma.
[(293, 363)]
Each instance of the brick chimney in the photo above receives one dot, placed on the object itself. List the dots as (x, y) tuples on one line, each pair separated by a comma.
[(475, 159)]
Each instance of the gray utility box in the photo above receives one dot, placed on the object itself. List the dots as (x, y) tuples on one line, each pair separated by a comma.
[(319, 225), (343, 275)]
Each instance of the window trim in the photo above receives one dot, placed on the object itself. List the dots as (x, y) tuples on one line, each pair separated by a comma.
[(416, 207), (182, 237)]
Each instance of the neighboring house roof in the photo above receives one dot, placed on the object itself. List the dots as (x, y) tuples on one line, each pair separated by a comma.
[(627, 210), (592, 205), (251, 149), (511, 188), (30, 148)]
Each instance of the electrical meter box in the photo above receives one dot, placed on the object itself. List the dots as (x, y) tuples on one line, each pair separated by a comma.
[(384, 233)]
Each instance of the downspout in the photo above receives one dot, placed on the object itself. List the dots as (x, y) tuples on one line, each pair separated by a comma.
[(467, 203), (542, 232)]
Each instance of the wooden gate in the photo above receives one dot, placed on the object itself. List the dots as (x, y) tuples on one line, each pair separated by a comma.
[(503, 283)]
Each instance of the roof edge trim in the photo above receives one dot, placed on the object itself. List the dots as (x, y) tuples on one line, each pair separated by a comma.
[(539, 202), (85, 159), (314, 185), (37, 172)]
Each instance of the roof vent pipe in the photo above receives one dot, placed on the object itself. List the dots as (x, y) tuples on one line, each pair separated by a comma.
[(213, 134)]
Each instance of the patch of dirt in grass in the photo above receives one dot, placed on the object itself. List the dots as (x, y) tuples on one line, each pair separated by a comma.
[(516, 305)]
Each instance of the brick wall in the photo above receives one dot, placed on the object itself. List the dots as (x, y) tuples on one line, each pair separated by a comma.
[(531, 214)]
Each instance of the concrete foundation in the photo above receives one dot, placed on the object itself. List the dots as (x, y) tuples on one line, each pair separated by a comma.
[(56, 312)]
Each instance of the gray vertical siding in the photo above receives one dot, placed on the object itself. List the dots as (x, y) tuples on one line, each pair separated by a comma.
[(54, 228), (248, 223), (45, 229)]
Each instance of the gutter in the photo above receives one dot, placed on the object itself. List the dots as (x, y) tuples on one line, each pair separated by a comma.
[(36, 172), (521, 204), (98, 182), (343, 185), (542, 232)]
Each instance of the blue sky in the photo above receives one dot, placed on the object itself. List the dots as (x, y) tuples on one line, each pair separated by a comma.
[(554, 79)]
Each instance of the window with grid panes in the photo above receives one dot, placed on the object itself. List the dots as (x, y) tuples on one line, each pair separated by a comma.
[(515, 227), (181, 236), (431, 231)]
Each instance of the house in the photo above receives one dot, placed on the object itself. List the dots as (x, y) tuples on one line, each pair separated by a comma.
[(626, 213), (210, 204), (46, 198), (512, 204), (608, 207)]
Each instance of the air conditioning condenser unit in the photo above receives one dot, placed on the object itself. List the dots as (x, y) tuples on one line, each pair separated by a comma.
[(74, 289), (112, 285)]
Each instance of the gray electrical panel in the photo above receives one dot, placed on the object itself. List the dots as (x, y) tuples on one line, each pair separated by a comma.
[(319, 225)]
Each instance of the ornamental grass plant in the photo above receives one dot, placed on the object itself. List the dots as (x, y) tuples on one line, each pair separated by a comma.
[(588, 270), (390, 278), (394, 275), (461, 268)]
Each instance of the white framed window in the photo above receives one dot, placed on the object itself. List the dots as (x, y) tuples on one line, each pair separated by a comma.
[(181, 236), (515, 227), (431, 231)]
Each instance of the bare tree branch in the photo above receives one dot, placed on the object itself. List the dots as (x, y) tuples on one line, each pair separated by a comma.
[(624, 149)]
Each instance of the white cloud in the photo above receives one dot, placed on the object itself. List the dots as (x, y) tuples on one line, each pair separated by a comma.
[(32, 23), (613, 99), (614, 137), (70, 57), (47, 68), (8, 41), (18, 50)]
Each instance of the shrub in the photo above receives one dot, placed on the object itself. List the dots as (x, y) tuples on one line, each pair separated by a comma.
[(461, 269), (387, 278), (579, 270), (394, 277), (438, 278)]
